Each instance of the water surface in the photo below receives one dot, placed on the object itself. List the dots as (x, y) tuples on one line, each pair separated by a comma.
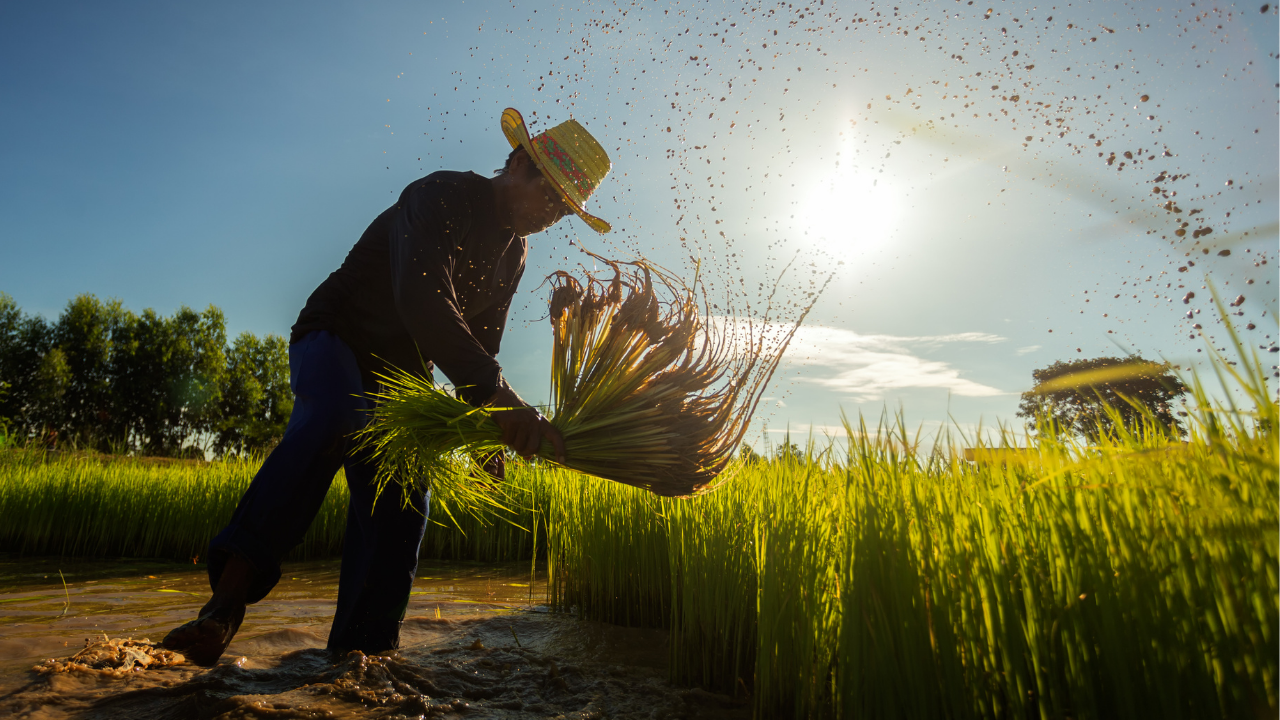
[(478, 642)]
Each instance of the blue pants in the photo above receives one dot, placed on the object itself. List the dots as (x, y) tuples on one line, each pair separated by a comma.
[(380, 548)]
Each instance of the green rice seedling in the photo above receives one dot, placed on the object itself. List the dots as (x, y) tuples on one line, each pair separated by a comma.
[(100, 506), (104, 507), (510, 526), (609, 566), (713, 584), (644, 392), (1131, 577), (797, 587), (887, 630)]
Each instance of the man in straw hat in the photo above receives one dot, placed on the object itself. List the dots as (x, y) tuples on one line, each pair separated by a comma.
[(429, 282)]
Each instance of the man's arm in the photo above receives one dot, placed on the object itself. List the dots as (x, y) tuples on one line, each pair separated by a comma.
[(522, 426), (426, 236)]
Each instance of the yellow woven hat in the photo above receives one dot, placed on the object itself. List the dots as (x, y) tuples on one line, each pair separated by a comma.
[(568, 157)]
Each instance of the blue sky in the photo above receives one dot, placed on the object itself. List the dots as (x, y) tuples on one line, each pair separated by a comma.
[(231, 154)]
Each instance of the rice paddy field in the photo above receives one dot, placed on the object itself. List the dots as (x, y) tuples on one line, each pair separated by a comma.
[(873, 578), (103, 506)]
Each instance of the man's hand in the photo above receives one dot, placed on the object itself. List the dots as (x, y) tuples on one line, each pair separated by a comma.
[(523, 428)]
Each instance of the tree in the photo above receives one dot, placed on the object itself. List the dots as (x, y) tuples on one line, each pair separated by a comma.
[(86, 332), (256, 399), (105, 378), (46, 408), (242, 394), (273, 372), (198, 363), (130, 385), (168, 377), (787, 450), (10, 345), (33, 380), (1074, 396)]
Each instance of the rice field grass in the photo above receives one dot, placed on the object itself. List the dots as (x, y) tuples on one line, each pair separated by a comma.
[(104, 506), (1123, 582), (1128, 579), (876, 578)]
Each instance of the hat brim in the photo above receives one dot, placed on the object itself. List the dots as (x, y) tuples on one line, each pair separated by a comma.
[(518, 135)]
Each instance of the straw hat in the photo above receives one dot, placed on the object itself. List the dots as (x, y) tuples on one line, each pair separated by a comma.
[(568, 157)]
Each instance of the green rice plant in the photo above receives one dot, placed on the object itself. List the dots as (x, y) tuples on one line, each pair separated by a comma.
[(1128, 578), (713, 585), (797, 586), (104, 506), (887, 629), (511, 530), (623, 576)]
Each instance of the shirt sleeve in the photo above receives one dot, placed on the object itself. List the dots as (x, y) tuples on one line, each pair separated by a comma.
[(427, 232)]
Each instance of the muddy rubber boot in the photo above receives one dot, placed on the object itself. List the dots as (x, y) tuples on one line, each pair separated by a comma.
[(203, 640)]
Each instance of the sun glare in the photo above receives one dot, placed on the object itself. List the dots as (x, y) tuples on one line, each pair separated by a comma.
[(850, 212)]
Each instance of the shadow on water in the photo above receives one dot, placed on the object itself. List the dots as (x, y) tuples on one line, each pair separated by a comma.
[(478, 641)]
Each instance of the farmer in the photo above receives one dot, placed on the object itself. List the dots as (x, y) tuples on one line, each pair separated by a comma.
[(429, 282)]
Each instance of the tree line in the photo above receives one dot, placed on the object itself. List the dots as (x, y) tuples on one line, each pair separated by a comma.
[(104, 378)]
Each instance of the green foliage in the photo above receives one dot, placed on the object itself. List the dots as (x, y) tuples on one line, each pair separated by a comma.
[(106, 379), (255, 400), (177, 366), (1097, 396), (100, 506), (1127, 578), (895, 581), (49, 393), (32, 382), (88, 505), (436, 443), (84, 335), (787, 451)]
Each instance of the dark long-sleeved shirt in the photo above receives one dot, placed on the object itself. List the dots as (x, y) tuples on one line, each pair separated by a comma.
[(430, 281)]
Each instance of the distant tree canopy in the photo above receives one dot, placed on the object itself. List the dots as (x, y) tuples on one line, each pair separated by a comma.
[(1073, 396), (104, 378), (787, 450)]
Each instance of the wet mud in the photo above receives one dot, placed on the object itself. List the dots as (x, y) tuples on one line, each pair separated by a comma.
[(477, 643)]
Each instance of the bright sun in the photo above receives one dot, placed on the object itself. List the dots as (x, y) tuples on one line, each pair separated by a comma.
[(850, 212)]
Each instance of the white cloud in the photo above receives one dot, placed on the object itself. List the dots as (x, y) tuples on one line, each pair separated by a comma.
[(925, 434), (865, 367), (1027, 349)]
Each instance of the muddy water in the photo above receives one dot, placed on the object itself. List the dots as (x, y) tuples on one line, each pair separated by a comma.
[(478, 642)]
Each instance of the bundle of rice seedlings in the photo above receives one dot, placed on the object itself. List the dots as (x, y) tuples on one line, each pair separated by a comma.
[(648, 389)]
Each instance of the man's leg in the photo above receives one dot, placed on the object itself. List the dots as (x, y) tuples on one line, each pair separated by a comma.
[(379, 561), (284, 497)]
